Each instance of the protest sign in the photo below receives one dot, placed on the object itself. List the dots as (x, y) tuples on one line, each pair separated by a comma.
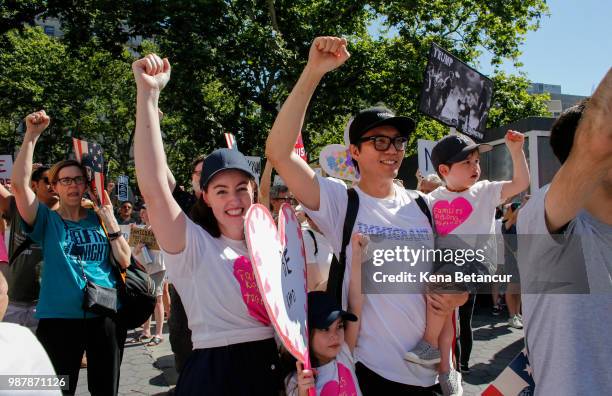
[(255, 164), (424, 148), (6, 169), (143, 235), (279, 265), (300, 149), (125, 231), (335, 160), (122, 188), (455, 94)]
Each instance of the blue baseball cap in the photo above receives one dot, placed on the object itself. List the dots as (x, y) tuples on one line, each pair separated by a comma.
[(323, 310), (224, 159)]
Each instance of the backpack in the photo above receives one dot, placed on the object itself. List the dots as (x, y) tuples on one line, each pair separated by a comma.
[(338, 264), (314, 240)]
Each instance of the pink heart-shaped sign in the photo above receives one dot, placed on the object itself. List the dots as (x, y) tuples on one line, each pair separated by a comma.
[(448, 216), (279, 265)]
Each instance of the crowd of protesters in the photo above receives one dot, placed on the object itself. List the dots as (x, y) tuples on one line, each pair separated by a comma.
[(223, 339)]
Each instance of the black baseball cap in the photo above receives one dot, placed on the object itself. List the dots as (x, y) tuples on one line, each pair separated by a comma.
[(224, 159), (323, 310), (373, 117), (455, 148)]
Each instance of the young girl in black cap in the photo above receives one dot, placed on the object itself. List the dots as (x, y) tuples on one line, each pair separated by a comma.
[(333, 336), (207, 259)]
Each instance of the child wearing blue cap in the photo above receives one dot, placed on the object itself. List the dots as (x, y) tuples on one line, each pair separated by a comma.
[(463, 212), (333, 336)]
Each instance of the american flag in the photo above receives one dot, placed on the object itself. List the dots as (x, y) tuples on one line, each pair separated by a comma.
[(230, 139), (90, 155), (515, 380)]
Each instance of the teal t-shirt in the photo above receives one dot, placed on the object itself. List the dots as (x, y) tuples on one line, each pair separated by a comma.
[(63, 243)]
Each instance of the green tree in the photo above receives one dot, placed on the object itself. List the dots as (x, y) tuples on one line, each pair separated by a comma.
[(235, 61)]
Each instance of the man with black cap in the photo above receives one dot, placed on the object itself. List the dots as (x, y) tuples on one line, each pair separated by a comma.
[(391, 323)]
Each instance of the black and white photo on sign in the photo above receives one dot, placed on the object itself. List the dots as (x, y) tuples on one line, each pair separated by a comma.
[(455, 94)]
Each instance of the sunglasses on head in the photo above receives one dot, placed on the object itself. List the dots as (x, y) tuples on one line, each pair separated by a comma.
[(382, 143)]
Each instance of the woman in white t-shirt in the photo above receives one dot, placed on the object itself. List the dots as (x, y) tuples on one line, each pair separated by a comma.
[(333, 336), (207, 259)]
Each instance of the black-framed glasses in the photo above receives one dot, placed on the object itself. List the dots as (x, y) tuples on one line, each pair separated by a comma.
[(66, 181), (382, 143)]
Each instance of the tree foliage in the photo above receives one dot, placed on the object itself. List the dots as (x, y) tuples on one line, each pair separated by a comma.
[(234, 62)]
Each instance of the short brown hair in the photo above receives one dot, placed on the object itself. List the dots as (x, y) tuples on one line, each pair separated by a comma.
[(55, 169)]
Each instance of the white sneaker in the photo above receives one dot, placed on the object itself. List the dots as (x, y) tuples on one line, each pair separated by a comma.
[(515, 322), (451, 383)]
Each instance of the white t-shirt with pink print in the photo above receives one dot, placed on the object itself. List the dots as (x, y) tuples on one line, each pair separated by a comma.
[(336, 378), (470, 216), (215, 280), (469, 212)]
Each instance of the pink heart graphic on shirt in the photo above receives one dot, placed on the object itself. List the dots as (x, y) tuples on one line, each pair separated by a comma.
[(448, 216), (345, 386), (243, 272)]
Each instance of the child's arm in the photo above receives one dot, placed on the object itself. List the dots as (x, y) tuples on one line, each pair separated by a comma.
[(520, 175), (355, 297), (305, 379)]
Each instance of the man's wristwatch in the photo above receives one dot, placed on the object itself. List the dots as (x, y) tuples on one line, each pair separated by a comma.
[(114, 235)]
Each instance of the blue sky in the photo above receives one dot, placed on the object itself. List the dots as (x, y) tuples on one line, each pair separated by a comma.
[(572, 48)]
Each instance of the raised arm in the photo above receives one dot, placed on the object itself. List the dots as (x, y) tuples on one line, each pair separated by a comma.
[(264, 185), (520, 176), (5, 199), (589, 163), (326, 54), (167, 220), (25, 198), (355, 295)]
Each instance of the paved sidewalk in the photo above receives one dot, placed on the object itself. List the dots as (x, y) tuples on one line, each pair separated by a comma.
[(144, 371), (150, 370)]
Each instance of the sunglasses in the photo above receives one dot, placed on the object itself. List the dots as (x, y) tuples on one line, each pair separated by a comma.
[(382, 143), (286, 199), (67, 181)]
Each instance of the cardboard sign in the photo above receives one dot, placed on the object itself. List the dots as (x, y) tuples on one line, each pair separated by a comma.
[(279, 265), (424, 148), (6, 169), (122, 188), (336, 161), (455, 94), (143, 235), (255, 164)]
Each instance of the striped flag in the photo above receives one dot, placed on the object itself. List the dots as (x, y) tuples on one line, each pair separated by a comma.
[(515, 380), (230, 139), (90, 155)]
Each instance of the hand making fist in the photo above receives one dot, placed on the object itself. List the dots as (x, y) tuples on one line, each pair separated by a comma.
[(151, 72), (327, 54), (37, 122), (514, 140)]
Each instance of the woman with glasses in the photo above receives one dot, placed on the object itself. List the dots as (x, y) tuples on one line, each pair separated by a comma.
[(75, 249)]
